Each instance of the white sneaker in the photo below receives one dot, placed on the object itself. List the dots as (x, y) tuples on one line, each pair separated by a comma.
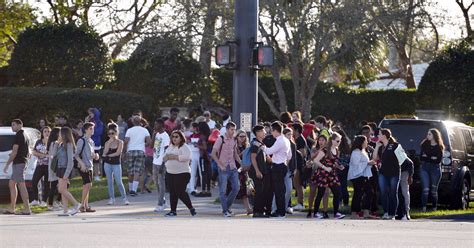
[(289, 210), (35, 203), (159, 209), (385, 216), (227, 214), (339, 216), (391, 217), (43, 204), (318, 216), (126, 202), (75, 210), (298, 207), (405, 218), (111, 202), (97, 178)]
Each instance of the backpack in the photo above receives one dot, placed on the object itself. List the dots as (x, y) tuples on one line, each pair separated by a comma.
[(76, 164), (246, 157)]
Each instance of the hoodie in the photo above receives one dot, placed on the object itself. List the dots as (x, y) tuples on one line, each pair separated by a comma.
[(98, 129)]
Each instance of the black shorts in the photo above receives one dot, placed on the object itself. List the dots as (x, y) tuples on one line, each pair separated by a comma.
[(86, 176), (60, 172)]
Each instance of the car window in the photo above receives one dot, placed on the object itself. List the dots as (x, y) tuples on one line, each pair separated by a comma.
[(6, 142), (468, 140), (455, 136)]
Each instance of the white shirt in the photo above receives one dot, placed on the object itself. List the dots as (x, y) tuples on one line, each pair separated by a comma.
[(161, 140), (137, 137), (359, 165), (211, 124), (281, 150)]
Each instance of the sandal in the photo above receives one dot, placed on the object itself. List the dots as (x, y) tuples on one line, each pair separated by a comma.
[(23, 213), (90, 210), (8, 212)]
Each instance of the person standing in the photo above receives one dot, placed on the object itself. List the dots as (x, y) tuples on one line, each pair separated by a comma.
[(374, 181), (195, 157), (53, 180), (161, 141), (359, 174), (112, 163), (94, 117), (319, 147), (281, 154), (301, 146), (177, 158), (122, 127), (432, 149), (171, 123), (77, 129), (136, 139), (225, 154), (40, 150), (85, 156), (204, 165), (211, 123), (18, 158), (242, 144)]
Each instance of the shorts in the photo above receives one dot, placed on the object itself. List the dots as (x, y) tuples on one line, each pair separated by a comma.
[(18, 174), (86, 177), (135, 162), (60, 172)]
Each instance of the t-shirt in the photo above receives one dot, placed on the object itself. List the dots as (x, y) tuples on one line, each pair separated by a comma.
[(23, 149), (257, 148), (170, 125), (211, 124), (87, 155), (137, 135), (42, 148), (161, 141)]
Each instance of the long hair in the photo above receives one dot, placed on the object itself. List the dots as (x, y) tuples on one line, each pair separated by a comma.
[(42, 129), (387, 133), (204, 129), (358, 142), (437, 138), (318, 146), (345, 146), (285, 117), (329, 145), (53, 136), (66, 135), (246, 142)]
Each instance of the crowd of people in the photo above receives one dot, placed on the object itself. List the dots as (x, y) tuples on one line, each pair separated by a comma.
[(191, 156)]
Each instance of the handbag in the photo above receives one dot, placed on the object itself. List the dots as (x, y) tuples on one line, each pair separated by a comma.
[(55, 161)]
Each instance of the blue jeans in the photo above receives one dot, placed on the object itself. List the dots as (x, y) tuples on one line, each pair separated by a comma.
[(114, 171), (430, 176), (389, 193), (228, 175)]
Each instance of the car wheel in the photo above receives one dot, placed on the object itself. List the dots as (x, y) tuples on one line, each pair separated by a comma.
[(461, 197)]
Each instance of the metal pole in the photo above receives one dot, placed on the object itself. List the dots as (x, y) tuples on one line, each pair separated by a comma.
[(245, 83)]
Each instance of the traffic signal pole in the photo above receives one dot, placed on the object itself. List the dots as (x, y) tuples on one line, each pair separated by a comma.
[(245, 82)]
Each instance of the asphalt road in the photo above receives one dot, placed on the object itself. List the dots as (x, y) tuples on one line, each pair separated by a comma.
[(137, 226)]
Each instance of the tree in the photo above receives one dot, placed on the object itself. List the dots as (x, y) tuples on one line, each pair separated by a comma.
[(448, 83), (60, 56), (160, 67), (316, 35), (14, 18), (467, 19)]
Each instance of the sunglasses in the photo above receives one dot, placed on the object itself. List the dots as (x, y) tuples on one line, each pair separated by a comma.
[(242, 136), (175, 137)]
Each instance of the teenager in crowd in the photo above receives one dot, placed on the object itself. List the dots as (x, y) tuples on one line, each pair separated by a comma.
[(94, 117), (344, 157), (406, 179), (52, 178), (192, 142), (42, 124), (374, 180), (432, 149), (389, 172), (295, 162), (77, 131), (302, 148), (359, 173), (326, 175), (161, 141), (286, 118), (40, 151), (204, 168), (112, 164), (242, 144), (177, 158), (324, 125), (318, 148)]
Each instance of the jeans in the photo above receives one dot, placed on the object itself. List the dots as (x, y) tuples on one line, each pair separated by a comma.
[(279, 173), (177, 183), (389, 193), (41, 171), (288, 189), (114, 171), (194, 169), (430, 175), (362, 194), (405, 188), (159, 173), (228, 175)]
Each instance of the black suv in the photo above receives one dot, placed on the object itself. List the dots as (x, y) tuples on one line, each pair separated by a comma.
[(457, 166)]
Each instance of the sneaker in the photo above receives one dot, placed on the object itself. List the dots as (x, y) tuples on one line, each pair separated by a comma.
[(289, 210), (408, 216), (50, 208), (193, 212), (64, 214), (43, 204), (111, 202), (391, 217), (318, 216), (35, 203), (159, 209), (75, 210), (97, 178), (339, 216), (404, 218), (193, 193), (227, 214), (298, 207), (385, 216), (133, 193), (258, 215), (126, 202), (280, 217), (171, 214), (230, 211), (326, 215), (309, 215)]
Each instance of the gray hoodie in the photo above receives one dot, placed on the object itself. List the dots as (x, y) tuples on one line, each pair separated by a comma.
[(87, 151)]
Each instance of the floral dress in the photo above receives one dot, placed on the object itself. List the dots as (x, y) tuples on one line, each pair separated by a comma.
[(322, 178)]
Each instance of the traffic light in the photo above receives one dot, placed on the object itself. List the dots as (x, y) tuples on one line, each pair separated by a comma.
[(226, 54), (265, 56)]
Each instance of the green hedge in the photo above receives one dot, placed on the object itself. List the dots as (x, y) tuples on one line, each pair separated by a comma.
[(31, 104)]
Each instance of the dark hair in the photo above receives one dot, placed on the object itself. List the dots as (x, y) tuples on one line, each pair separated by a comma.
[(138, 112), (267, 124), (87, 125), (195, 125), (230, 124), (257, 128), (387, 133), (345, 146), (298, 127), (53, 136), (159, 121), (187, 122), (358, 142), (66, 135), (285, 117), (174, 110), (136, 120), (365, 127), (287, 130), (77, 122), (112, 126), (225, 117), (277, 126), (181, 136), (204, 129), (18, 122), (372, 125), (322, 119), (437, 138), (45, 121), (317, 141), (329, 145), (42, 129)]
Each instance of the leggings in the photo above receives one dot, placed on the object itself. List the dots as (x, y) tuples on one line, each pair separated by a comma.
[(177, 184), (53, 191), (41, 171), (336, 191), (205, 174)]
